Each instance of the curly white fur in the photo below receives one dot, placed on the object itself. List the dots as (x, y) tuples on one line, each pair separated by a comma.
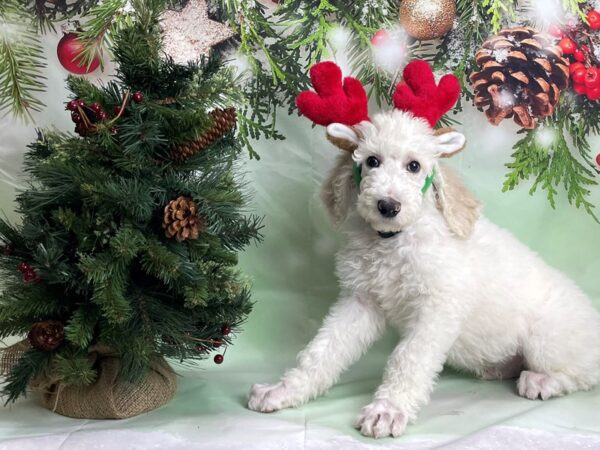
[(459, 289)]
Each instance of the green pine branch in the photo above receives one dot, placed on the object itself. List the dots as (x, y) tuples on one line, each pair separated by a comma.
[(21, 62)]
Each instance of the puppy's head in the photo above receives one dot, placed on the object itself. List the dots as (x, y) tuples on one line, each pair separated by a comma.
[(391, 168)]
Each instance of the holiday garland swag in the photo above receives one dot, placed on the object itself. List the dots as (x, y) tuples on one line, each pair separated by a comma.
[(126, 252)]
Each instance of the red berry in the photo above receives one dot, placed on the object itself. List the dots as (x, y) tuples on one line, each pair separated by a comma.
[(80, 103), (24, 267), (102, 115), (593, 94), (30, 276), (219, 359), (217, 343), (200, 348), (76, 117), (117, 110), (72, 105), (580, 88), (114, 131), (579, 55), (593, 18), (592, 78), (555, 30), (225, 330), (598, 159), (138, 97), (380, 37), (96, 107), (567, 45), (576, 65), (579, 75)]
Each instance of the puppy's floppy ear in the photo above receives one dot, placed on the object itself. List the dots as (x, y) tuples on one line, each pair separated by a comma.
[(343, 136), (339, 189), (449, 142), (458, 206)]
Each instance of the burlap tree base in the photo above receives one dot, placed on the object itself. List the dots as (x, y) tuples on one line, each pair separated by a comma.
[(108, 397)]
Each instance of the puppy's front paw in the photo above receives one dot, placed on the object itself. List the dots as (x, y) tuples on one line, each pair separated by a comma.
[(267, 398), (380, 419)]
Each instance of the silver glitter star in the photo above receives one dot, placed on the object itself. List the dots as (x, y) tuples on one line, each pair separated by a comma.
[(189, 33)]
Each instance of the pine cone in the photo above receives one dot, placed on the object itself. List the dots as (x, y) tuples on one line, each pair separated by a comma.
[(223, 120), (181, 219), (522, 73), (47, 336)]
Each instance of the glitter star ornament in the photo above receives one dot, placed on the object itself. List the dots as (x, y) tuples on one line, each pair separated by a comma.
[(427, 19), (189, 33)]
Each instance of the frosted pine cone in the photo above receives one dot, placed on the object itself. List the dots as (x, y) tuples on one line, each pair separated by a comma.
[(522, 73)]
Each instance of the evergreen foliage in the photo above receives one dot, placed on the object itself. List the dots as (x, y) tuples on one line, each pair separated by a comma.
[(92, 222)]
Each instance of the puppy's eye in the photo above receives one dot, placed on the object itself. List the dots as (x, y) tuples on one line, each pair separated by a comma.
[(372, 161), (413, 166)]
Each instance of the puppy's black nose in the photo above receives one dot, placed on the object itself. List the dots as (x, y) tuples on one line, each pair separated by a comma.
[(388, 207)]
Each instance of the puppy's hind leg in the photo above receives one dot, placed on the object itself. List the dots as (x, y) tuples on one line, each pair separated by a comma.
[(351, 326), (562, 353)]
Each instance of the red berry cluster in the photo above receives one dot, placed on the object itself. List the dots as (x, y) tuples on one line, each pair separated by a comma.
[(585, 67), (29, 275), (86, 117), (225, 330)]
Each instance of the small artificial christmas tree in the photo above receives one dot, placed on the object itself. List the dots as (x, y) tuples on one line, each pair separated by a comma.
[(128, 244)]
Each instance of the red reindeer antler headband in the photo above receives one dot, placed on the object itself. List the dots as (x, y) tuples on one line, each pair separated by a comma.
[(337, 101)]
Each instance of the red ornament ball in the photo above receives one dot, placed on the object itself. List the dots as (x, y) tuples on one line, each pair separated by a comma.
[(102, 116), (138, 97), (72, 105), (225, 330), (593, 18), (80, 103), (567, 45), (380, 37), (219, 359), (69, 50), (598, 159)]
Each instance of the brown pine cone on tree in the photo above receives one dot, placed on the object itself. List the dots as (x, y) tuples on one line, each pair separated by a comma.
[(181, 219), (223, 120), (46, 336), (521, 74)]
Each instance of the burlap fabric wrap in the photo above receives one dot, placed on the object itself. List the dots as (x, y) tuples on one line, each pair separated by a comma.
[(108, 397)]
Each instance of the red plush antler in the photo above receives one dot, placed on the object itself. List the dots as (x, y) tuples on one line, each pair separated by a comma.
[(418, 93), (334, 101)]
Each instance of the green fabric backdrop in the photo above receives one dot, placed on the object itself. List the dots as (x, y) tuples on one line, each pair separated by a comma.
[(294, 286)]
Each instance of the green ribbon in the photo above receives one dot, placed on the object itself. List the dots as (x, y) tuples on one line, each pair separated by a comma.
[(357, 174)]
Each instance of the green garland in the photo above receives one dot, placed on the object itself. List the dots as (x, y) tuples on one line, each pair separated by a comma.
[(281, 43)]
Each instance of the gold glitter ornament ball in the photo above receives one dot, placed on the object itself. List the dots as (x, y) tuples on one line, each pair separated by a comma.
[(427, 19)]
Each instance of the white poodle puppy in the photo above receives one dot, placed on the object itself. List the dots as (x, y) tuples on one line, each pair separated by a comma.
[(458, 289)]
